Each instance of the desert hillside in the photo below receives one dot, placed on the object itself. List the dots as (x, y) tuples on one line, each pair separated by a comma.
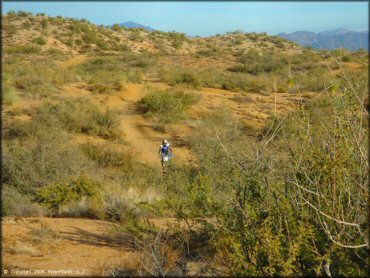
[(269, 171)]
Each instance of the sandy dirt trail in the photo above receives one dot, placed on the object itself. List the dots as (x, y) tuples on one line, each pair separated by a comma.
[(78, 59), (143, 139)]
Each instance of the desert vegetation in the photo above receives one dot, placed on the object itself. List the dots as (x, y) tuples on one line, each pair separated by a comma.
[(283, 195)]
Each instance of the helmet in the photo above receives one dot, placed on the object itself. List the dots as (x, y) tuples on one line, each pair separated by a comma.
[(165, 141)]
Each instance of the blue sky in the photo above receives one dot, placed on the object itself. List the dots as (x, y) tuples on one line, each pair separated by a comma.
[(209, 18)]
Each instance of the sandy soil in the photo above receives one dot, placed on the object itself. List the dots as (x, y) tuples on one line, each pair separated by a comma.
[(64, 246)]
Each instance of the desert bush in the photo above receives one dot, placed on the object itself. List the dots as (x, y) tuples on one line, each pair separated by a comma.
[(7, 92), (44, 23), (57, 194), (176, 39), (23, 49), (39, 78), (89, 36), (346, 58), (35, 80), (107, 156), (120, 203), (309, 82), (55, 51), (256, 62), (251, 199), (109, 74), (9, 28), (135, 35), (23, 14), (81, 117), (180, 77), (44, 157), (14, 203), (106, 82), (242, 83), (168, 106), (144, 60), (211, 78), (39, 41)]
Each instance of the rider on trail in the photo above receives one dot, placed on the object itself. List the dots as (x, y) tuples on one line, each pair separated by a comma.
[(165, 152)]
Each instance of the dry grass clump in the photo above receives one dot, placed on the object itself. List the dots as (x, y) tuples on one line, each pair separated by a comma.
[(43, 233), (23, 249), (113, 202), (120, 203)]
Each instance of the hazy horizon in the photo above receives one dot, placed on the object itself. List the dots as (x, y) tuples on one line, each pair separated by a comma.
[(210, 18)]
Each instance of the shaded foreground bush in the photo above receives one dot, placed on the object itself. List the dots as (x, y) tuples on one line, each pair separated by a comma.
[(293, 203)]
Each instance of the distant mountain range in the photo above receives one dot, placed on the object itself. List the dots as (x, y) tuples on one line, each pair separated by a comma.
[(330, 39), (131, 24), (324, 40)]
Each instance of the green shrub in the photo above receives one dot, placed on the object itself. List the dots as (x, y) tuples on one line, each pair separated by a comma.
[(106, 82), (180, 77), (242, 83), (106, 156), (211, 78), (14, 203), (42, 157), (346, 58), (57, 194), (162, 101), (44, 23), (35, 80), (257, 61), (90, 37), (9, 28), (23, 14), (40, 79), (264, 65), (39, 41), (109, 74), (23, 49), (144, 60), (7, 92), (168, 106), (81, 117), (19, 129), (55, 51), (176, 39)]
